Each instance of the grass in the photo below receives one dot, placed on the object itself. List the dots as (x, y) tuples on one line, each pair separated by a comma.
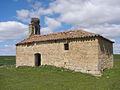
[(53, 78), (7, 60)]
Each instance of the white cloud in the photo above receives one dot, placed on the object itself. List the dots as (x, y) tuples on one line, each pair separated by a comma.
[(23, 15), (9, 45), (116, 47), (36, 11), (106, 30), (52, 24), (7, 50), (87, 12), (46, 30), (12, 30), (36, 5)]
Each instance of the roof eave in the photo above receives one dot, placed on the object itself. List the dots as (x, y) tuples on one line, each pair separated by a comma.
[(56, 39), (107, 39)]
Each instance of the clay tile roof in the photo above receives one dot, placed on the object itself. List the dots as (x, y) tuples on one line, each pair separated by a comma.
[(57, 36)]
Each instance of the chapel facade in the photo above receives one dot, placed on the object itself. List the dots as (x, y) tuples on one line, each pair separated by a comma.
[(76, 50)]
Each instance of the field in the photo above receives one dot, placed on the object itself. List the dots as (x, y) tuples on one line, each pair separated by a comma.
[(7, 60), (52, 78)]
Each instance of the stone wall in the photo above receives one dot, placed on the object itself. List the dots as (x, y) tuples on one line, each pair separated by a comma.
[(105, 54), (82, 54)]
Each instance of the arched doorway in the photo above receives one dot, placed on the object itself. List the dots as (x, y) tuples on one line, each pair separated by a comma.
[(37, 59)]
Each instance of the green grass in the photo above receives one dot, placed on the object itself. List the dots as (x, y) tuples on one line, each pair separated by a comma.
[(53, 78), (7, 60)]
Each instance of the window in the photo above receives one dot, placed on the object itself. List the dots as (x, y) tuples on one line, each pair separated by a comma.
[(66, 46)]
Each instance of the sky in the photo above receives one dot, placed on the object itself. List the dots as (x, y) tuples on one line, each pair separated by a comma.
[(96, 16)]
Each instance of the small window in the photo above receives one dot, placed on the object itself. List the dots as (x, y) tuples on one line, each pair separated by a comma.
[(66, 46)]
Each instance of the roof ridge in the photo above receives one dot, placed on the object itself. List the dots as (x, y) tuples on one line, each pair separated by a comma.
[(66, 32), (59, 35)]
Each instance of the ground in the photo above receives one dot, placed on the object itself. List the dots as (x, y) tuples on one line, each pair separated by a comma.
[(52, 78)]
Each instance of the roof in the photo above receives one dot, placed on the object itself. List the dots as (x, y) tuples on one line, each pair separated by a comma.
[(58, 36)]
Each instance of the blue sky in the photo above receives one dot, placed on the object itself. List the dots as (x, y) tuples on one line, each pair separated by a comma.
[(97, 16)]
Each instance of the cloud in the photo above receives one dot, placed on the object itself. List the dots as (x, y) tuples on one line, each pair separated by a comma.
[(86, 12), (23, 15), (36, 5), (10, 33), (36, 10), (116, 47), (52, 24), (106, 30), (7, 50), (12, 30)]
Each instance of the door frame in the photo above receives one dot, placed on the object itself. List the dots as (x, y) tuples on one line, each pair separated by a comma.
[(37, 59)]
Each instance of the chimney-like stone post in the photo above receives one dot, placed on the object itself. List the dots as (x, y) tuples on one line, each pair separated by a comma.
[(34, 27)]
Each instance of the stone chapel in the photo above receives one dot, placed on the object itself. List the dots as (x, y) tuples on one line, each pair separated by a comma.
[(76, 50)]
